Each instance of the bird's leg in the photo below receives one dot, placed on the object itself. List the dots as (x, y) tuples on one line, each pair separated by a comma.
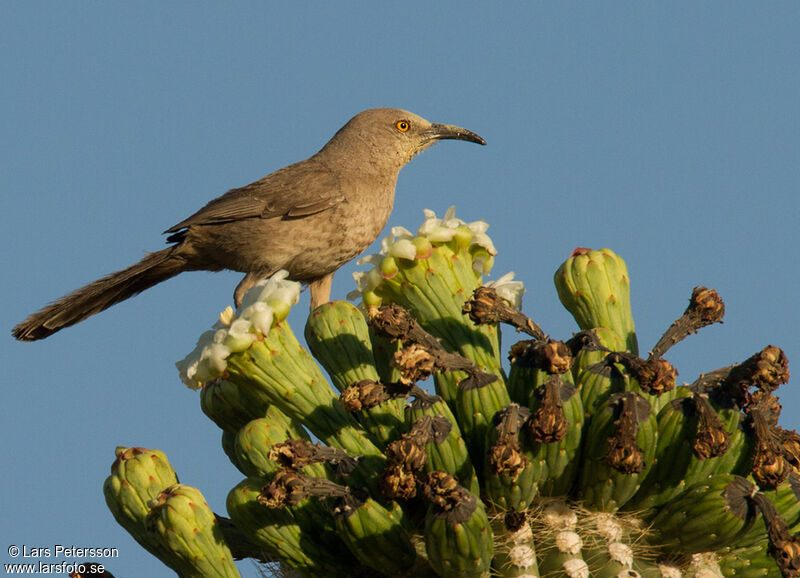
[(245, 285), (320, 290)]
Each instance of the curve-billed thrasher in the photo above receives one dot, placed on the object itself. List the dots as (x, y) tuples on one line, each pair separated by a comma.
[(309, 218)]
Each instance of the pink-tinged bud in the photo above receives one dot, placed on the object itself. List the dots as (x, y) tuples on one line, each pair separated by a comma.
[(388, 267), (423, 246)]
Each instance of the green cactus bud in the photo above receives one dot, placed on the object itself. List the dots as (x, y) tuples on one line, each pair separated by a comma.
[(253, 442), (707, 516), (458, 537), (137, 476), (338, 336), (229, 405), (621, 372), (377, 536), (620, 445), (278, 532), (427, 281), (594, 286), (186, 527)]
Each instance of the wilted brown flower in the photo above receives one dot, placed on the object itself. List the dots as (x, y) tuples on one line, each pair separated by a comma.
[(706, 305), (624, 453), (415, 363), (770, 467), (711, 439), (397, 483), (506, 459), (548, 424)]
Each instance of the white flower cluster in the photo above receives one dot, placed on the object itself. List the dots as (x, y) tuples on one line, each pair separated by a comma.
[(267, 302), (443, 230), (403, 244)]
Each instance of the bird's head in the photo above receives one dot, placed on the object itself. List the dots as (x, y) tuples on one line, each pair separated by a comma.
[(390, 137)]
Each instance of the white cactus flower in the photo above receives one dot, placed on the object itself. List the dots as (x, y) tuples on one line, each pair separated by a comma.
[(508, 289), (403, 244), (235, 332)]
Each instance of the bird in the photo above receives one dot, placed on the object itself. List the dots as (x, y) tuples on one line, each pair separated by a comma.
[(308, 218)]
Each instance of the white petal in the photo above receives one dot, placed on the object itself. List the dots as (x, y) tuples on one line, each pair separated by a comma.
[(428, 226), (374, 279), (508, 289), (504, 279), (484, 241), (187, 369), (386, 242), (358, 277), (478, 226), (262, 321), (402, 233), (404, 249), (373, 259), (441, 235), (280, 276)]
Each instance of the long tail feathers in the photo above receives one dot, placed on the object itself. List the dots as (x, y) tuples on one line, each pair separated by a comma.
[(100, 295)]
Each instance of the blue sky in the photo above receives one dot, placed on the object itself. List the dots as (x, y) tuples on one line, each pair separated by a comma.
[(668, 132)]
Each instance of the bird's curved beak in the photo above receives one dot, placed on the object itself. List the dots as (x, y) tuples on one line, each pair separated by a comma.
[(439, 131)]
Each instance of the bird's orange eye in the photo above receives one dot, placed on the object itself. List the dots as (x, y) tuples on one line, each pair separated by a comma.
[(402, 125)]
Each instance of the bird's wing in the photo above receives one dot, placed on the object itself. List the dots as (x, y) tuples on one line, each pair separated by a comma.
[(295, 191)]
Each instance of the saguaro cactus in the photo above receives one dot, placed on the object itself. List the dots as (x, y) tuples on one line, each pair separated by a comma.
[(583, 459)]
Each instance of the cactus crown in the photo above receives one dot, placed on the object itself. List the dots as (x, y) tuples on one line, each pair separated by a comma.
[(576, 458)]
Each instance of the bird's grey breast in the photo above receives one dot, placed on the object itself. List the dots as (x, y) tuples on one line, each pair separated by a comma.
[(362, 215)]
